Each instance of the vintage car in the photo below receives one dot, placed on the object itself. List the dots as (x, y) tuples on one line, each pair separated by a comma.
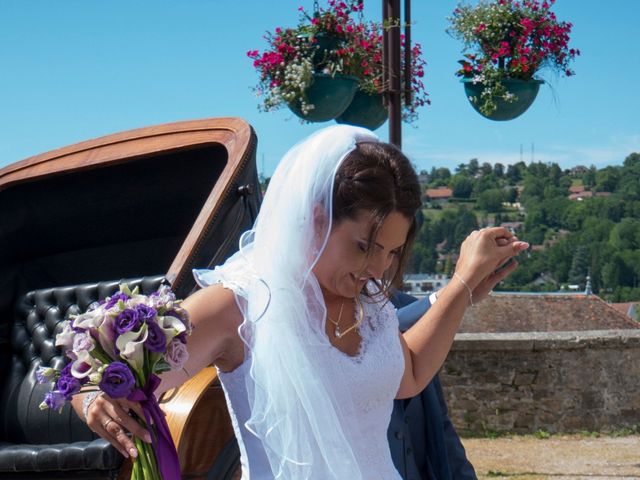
[(145, 206)]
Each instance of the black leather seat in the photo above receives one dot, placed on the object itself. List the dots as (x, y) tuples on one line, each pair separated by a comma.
[(42, 443), (157, 200)]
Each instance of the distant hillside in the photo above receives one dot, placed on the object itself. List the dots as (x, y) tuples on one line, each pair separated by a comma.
[(580, 221)]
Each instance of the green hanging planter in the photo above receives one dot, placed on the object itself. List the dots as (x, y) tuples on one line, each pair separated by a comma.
[(324, 43), (525, 91), (365, 110), (330, 95)]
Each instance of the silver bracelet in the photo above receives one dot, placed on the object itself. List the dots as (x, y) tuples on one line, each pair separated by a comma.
[(468, 288), (87, 401)]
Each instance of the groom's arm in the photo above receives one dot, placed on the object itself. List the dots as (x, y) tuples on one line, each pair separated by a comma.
[(409, 311), (461, 467)]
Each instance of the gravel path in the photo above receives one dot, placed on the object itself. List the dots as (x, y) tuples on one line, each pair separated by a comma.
[(570, 457)]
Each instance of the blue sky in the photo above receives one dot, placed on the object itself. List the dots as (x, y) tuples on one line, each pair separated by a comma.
[(71, 70)]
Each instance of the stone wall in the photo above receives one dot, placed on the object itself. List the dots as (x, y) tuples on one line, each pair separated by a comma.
[(560, 382)]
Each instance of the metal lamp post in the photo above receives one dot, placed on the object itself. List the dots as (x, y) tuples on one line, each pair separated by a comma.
[(391, 60)]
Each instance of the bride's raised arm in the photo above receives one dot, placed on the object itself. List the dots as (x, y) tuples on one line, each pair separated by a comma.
[(427, 343)]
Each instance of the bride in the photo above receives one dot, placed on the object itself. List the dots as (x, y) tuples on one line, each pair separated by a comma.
[(299, 324)]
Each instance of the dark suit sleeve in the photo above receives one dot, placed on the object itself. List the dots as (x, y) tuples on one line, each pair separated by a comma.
[(409, 311), (459, 464)]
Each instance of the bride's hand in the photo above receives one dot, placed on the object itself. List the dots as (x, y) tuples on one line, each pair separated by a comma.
[(486, 286), (110, 419), (482, 253)]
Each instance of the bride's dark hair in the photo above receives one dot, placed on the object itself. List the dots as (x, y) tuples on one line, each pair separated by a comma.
[(378, 178)]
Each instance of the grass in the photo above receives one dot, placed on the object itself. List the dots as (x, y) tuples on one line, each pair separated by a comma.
[(520, 476), (544, 434), (625, 432)]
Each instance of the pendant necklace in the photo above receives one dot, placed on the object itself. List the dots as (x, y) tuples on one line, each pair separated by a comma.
[(337, 330)]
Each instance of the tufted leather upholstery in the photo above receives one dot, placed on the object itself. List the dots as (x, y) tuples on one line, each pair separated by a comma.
[(34, 440)]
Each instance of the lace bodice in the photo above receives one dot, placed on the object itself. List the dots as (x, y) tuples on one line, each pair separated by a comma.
[(374, 376)]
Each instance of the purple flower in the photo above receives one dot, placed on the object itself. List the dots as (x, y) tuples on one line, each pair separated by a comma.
[(53, 400), (81, 368), (145, 313), (67, 386), (177, 354), (115, 298), (156, 341), (45, 374), (117, 380), (83, 341), (127, 320)]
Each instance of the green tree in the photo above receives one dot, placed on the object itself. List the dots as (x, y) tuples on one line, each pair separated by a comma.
[(512, 195), (626, 234), (616, 272), (486, 168), (486, 182), (443, 173), (565, 182), (462, 169), (462, 186), (555, 172), (498, 170), (558, 259), (632, 160), (607, 179), (595, 230), (473, 166), (629, 184), (515, 172), (589, 177), (491, 200), (579, 265)]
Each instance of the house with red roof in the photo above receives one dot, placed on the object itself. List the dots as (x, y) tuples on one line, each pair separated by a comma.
[(440, 194)]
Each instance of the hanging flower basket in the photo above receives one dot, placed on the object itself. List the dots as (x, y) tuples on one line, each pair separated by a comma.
[(322, 44), (519, 95), (365, 111), (507, 42), (310, 68), (329, 95)]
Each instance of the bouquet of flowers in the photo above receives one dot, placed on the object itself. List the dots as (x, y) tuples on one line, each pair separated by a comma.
[(509, 39), (118, 346)]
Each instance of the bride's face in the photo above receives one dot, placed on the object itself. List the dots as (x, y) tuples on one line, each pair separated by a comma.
[(345, 264)]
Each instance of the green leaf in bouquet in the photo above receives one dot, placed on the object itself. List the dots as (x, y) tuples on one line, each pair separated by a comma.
[(161, 366), (124, 288)]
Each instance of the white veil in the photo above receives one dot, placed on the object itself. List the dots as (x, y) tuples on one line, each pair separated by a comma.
[(305, 431)]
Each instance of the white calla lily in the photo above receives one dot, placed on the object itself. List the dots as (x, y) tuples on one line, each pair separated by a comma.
[(106, 335), (171, 326), (84, 365), (131, 346), (90, 320), (65, 337)]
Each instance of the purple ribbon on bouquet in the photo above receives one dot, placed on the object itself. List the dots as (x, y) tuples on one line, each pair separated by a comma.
[(165, 450)]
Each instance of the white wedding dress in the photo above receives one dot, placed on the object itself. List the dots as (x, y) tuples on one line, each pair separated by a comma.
[(374, 376)]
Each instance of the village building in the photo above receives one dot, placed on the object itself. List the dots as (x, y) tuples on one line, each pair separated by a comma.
[(439, 195), (421, 284), (631, 309), (543, 312), (512, 226)]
